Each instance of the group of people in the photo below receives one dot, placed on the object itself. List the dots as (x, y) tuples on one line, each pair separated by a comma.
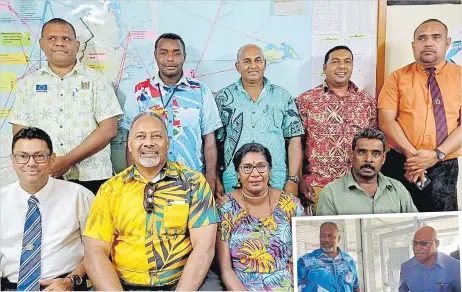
[(331, 269), (262, 155)]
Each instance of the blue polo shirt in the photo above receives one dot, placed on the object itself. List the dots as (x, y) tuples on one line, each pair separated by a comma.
[(318, 271), (443, 275)]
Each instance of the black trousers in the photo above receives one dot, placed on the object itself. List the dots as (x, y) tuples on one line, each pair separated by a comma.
[(439, 195)]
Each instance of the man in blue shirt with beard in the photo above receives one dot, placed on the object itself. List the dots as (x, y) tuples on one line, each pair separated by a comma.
[(328, 268)]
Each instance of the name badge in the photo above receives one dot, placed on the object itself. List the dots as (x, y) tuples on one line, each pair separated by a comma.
[(348, 277), (41, 88)]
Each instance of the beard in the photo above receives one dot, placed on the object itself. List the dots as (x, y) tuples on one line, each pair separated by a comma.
[(428, 59), (327, 248), (149, 161)]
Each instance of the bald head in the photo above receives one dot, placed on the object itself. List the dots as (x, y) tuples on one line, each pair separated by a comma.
[(249, 48), (425, 233)]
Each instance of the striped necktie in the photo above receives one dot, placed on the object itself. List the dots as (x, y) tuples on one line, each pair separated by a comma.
[(31, 256), (438, 107)]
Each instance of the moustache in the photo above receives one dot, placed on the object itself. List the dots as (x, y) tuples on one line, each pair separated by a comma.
[(367, 165)]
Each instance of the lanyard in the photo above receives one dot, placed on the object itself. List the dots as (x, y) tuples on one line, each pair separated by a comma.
[(162, 97)]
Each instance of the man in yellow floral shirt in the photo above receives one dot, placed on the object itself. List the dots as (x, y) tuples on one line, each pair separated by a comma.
[(157, 219)]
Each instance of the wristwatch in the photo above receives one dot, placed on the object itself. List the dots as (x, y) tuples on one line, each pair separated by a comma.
[(294, 178), (76, 280), (440, 154)]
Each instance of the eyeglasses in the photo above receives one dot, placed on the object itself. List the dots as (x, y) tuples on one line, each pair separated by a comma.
[(148, 201), (423, 243), (23, 158), (248, 168)]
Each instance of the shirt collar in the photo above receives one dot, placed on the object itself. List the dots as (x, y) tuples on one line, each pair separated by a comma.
[(382, 181), (438, 67), (169, 170), (438, 261), (351, 87), (42, 194), (157, 81), (266, 84), (78, 69)]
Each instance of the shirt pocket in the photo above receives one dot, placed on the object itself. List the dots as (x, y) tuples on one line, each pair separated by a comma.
[(188, 117), (277, 116), (444, 287), (176, 216)]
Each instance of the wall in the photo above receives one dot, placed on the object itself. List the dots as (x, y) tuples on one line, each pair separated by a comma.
[(401, 23)]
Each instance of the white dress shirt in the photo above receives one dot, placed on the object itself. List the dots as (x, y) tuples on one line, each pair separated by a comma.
[(64, 208)]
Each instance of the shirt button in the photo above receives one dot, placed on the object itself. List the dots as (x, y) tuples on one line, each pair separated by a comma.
[(170, 137), (170, 153), (253, 113), (61, 126), (60, 109), (61, 94), (61, 144), (170, 121), (62, 79)]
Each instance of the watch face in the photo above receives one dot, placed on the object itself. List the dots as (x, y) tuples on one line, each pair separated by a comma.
[(77, 280), (441, 155)]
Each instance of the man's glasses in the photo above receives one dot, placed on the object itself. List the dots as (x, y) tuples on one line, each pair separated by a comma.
[(423, 243), (148, 202), (248, 168), (23, 158)]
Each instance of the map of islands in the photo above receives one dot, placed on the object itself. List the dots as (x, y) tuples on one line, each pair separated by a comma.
[(277, 54)]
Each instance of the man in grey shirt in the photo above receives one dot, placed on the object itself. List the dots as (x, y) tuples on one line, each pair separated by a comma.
[(364, 190)]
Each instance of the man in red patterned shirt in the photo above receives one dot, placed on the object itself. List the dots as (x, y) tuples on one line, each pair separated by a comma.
[(332, 113)]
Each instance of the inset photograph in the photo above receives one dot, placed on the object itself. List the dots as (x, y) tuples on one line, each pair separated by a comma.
[(378, 253)]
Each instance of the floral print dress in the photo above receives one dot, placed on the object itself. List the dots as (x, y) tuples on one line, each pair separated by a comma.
[(261, 248)]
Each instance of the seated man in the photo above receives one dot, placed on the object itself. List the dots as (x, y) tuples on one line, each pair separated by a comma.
[(364, 190), (327, 268), (429, 269), (41, 221), (157, 219)]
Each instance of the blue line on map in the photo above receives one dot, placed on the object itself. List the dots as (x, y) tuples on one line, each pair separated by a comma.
[(64, 4), (51, 9)]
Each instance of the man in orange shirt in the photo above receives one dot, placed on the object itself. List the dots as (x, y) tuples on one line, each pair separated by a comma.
[(419, 112)]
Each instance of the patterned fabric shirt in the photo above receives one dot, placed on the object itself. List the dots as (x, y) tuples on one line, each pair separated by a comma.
[(189, 109), (269, 121), (69, 110), (330, 123), (151, 249), (261, 248), (318, 271)]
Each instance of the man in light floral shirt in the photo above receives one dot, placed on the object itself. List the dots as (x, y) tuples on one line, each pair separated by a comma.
[(74, 104)]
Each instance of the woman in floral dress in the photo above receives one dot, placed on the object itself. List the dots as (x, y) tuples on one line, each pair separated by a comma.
[(255, 235)]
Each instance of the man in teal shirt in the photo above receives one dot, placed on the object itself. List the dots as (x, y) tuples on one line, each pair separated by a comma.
[(254, 110), (364, 190)]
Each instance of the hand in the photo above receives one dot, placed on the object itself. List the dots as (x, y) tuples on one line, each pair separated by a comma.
[(59, 284), (307, 190), (291, 187), (413, 176), (421, 159), (60, 166), (219, 190)]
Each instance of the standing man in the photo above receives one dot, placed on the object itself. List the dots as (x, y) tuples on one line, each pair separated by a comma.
[(429, 269), (419, 112), (156, 219), (254, 110), (327, 268), (74, 104), (332, 114), (42, 220), (186, 103), (364, 190)]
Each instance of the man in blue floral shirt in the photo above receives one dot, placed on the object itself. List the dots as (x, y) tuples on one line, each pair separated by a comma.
[(327, 268)]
